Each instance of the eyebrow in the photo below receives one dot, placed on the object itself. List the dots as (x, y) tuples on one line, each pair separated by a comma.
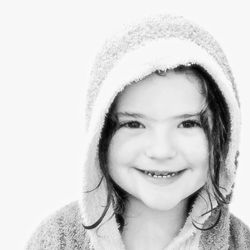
[(142, 116)]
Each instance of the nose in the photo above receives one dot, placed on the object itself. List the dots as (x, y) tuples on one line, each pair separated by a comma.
[(161, 146)]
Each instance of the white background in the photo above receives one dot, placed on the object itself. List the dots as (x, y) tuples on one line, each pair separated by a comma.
[(45, 51)]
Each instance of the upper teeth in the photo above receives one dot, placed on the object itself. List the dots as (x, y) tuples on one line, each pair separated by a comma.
[(153, 174)]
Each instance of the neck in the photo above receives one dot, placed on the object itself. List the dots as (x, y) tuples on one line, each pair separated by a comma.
[(146, 228)]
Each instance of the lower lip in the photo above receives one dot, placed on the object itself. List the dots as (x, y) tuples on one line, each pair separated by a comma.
[(162, 181)]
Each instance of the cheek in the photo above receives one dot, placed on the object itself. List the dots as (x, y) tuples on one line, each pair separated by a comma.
[(195, 150), (124, 146), (123, 149), (122, 155)]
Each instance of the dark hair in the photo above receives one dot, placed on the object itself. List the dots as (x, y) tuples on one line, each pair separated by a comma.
[(218, 136)]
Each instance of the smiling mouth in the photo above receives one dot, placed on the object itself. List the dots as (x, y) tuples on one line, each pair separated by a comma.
[(161, 174)]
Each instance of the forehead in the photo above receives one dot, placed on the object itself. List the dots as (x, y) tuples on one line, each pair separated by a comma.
[(170, 94)]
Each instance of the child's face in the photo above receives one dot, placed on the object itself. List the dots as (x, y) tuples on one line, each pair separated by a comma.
[(157, 133)]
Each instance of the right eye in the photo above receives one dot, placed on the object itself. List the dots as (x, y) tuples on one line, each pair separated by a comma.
[(131, 124)]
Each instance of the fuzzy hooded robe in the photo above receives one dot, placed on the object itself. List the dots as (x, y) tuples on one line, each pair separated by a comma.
[(156, 43)]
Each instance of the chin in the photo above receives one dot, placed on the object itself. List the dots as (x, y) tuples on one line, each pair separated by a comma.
[(164, 205)]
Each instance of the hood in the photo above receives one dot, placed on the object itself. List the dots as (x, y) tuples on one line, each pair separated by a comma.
[(156, 43)]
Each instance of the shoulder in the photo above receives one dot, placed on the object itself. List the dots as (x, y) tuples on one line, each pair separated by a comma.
[(239, 237), (61, 230)]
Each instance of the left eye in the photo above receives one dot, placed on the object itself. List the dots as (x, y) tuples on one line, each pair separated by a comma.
[(190, 124), (131, 124)]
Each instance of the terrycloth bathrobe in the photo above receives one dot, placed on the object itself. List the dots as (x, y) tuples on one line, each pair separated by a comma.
[(156, 43)]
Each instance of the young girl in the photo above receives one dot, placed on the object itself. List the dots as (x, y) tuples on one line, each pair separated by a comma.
[(162, 119)]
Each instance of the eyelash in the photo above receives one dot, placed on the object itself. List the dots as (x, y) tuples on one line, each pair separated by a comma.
[(194, 123)]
